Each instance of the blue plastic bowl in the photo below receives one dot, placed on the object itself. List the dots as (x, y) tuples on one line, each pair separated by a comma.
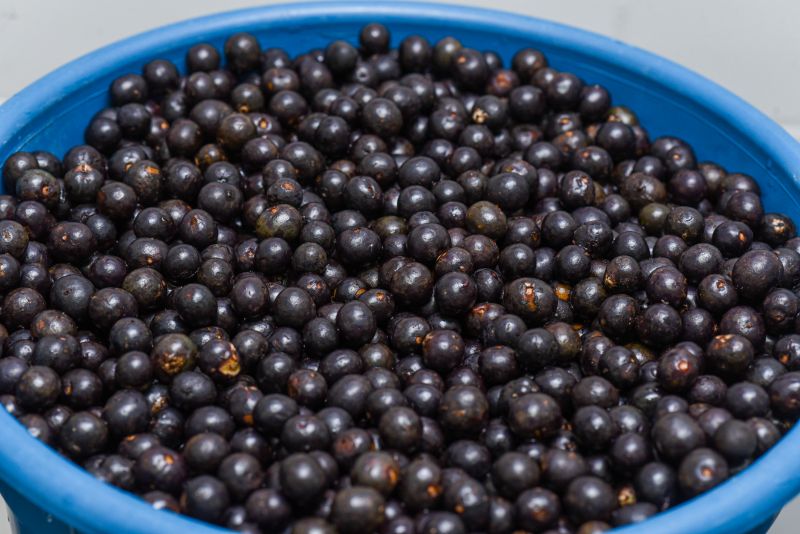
[(49, 495)]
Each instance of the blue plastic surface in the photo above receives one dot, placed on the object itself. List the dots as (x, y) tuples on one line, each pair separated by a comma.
[(50, 495)]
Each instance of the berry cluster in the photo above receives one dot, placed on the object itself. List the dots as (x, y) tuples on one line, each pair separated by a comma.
[(386, 290)]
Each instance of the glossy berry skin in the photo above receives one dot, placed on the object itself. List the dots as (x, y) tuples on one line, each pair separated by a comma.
[(301, 478), (356, 509), (205, 497), (783, 394), (755, 273), (513, 473), (675, 435), (729, 354), (678, 370), (701, 470), (83, 434), (537, 508), (442, 349), (589, 498), (160, 468), (736, 441), (530, 298), (463, 410), (400, 428), (38, 387), (534, 416), (356, 323)]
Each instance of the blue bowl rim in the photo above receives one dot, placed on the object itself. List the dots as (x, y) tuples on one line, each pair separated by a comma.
[(70, 494)]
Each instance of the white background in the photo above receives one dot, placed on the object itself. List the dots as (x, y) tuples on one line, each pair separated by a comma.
[(752, 48)]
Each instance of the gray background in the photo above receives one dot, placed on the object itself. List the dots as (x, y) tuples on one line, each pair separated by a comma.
[(752, 48)]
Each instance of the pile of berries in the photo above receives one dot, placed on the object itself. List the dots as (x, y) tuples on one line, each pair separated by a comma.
[(409, 290)]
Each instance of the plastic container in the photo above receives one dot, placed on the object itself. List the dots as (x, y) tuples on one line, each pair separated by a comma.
[(50, 495)]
